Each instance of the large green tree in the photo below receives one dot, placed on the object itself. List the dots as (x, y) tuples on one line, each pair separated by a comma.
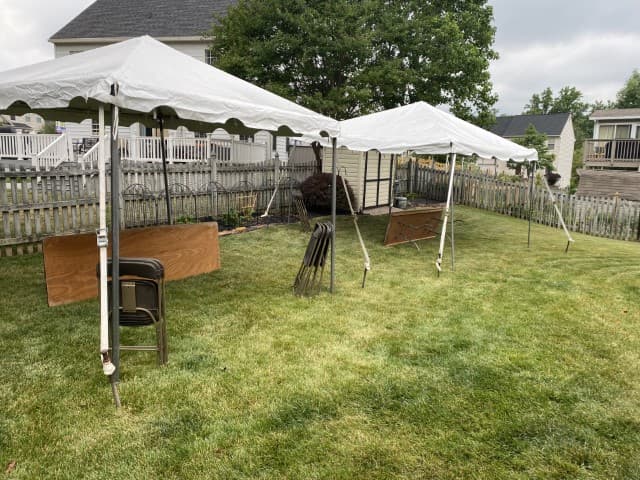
[(568, 100), (534, 139), (345, 58), (629, 95)]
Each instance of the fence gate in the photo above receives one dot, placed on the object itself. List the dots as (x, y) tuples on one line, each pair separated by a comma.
[(377, 180)]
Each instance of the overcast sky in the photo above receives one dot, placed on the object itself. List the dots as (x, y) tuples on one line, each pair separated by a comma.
[(592, 45)]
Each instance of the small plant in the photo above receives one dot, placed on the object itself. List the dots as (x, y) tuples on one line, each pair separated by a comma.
[(183, 219), (231, 219)]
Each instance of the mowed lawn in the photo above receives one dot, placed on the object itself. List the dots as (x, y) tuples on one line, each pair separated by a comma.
[(520, 364)]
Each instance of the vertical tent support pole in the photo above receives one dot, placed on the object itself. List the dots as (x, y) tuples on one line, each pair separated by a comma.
[(533, 174), (103, 243), (115, 249), (333, 214), (453, 243), (391, 180), (446, 215), (163, 152)]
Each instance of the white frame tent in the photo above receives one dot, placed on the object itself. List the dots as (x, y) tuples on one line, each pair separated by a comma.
[(423, 129), (143, 80)]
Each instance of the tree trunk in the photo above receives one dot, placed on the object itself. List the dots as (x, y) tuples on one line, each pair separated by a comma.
[(317, 151)]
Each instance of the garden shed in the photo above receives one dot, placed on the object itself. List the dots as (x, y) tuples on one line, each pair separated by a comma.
[(369, 174)]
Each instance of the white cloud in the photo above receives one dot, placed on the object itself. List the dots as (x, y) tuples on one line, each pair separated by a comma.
[(26, 25), (596, 64)]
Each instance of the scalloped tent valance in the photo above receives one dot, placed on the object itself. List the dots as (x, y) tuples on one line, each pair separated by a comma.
[(153, 76)]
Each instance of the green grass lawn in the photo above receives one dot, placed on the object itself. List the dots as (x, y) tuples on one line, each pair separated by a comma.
[(520, 364)]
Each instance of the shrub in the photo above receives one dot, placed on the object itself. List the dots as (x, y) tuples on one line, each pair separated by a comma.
[(316, 192), (552, 178)]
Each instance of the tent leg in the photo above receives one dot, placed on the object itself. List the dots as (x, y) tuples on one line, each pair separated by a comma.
[(446, 215), (533, 174), (163, 151), (333, 215), (453, 243), (115, 248)]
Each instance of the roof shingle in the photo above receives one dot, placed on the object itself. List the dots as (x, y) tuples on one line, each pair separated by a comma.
[(516, 125), (157, 18)]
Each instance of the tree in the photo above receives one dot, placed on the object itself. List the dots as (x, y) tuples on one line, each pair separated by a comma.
[(629, 95), (534, 139), (344, 58), (568, 100)]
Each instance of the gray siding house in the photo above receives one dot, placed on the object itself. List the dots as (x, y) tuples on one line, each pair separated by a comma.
[(558, 127)]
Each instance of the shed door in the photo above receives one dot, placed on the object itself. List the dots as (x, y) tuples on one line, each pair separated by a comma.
[(377, 180)]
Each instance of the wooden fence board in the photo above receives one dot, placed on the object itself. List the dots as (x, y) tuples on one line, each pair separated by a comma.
[(599, 216)]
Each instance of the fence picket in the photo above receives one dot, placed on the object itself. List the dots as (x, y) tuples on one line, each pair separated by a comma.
[(598, 216)]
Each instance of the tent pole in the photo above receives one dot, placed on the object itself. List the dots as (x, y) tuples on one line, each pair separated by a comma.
[(103, 243), (443, 233), (533, 174), (333, 215), (163, 151), (453, 243), (115, 249), (391, 179)]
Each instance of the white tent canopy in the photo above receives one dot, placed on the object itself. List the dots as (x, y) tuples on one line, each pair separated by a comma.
[(421, 128), (143, 80), (150, 75)]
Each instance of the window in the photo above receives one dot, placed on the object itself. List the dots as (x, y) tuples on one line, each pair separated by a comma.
[(95, 128), (610, 132), (623, 131), (551, 145), (200, 134), (246, 138), (209, 59)]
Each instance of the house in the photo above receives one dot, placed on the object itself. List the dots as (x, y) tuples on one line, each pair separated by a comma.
[(182, 25), (611, 158), (616, 140), (558, 127)]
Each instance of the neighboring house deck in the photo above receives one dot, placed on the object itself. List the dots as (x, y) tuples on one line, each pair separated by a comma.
[(558, 127), (616, 140)]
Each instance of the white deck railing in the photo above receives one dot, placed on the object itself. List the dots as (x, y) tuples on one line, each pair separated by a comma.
[(49, 151), (20, 146)]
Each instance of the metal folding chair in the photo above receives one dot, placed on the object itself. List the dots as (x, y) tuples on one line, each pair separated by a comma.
[(142, 301)]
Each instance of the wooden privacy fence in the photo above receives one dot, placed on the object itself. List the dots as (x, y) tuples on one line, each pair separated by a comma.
[(39, 203), (605, 217)]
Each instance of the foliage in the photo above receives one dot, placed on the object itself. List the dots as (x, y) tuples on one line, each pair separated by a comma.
[(568, 100), (629, 95), (344, 58), (534, 139), (517, 365), (49, 127), (231, 219), (316, 192)]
